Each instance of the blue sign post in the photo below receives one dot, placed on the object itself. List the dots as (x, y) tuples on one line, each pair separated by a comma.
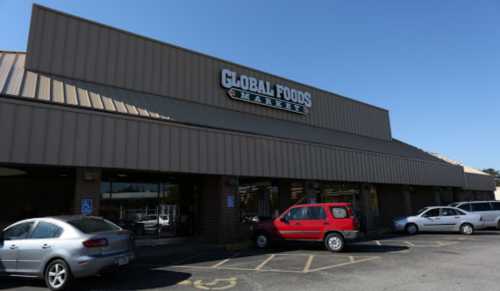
[(86, 206)]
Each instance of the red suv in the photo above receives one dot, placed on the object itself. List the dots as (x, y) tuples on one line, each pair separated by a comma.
[(332, 223)]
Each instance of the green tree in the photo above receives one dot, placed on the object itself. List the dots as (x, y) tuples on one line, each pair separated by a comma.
[(494, 173)]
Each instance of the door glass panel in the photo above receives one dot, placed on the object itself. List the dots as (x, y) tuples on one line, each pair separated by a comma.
[(448, 212), (20, 231), (315, 213), (298, 213), (46, 230), (432, 213)]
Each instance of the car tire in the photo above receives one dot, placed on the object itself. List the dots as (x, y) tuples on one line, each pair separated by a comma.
[(411, 229), (466, 229), (58, 275), (262, 241), (334, 242)]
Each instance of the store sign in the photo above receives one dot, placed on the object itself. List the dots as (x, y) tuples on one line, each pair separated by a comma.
[(249, 89)]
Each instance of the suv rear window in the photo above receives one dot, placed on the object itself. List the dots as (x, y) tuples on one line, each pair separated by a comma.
[(339, 212), (92, 225), (481, 207)]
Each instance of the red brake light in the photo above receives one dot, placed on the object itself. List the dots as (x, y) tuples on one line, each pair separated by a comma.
[(96, 243)]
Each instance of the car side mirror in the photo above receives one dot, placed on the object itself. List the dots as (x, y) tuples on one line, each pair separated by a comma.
[(1, 238), (284, 219)]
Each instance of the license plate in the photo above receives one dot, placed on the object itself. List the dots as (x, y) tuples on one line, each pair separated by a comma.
[(122, 261)]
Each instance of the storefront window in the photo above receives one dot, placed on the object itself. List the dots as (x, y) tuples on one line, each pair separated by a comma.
[(150, 210), (258, 200), (341, 192)]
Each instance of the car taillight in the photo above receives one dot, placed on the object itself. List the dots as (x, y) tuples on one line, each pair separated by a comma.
[(96, 243), (349, 211), (356, 222)]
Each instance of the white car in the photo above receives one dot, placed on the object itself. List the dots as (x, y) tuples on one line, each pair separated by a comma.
[(440, 218), (489, 211)]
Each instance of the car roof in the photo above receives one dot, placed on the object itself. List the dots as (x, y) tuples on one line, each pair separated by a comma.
[(324, 204), (442, 206), (485, 201)]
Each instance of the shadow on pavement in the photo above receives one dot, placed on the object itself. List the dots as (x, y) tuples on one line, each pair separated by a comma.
[(126, 279)]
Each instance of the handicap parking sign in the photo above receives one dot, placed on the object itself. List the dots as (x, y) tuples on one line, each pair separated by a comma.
[(86, 206)]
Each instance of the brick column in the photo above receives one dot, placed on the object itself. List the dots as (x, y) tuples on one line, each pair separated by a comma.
[(368, 213), (284, 195), (220, 211), (407, 201), (87, 186), (437, 196)]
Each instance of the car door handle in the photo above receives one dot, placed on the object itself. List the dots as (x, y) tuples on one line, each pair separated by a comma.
[(457, 217), (297, 223), (326, 223), (13, 247), (45, 246)]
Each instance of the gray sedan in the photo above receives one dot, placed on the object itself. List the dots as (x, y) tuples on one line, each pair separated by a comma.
[(59, 249), (439, 218)]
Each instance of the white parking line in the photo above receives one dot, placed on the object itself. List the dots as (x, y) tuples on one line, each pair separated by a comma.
[(220, 263), (343, 264), (259, 267), (308, 264)]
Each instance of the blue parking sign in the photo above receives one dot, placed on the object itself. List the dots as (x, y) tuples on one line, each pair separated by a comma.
[(86, 206)]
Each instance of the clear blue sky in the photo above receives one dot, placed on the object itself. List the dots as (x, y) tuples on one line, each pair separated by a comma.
[(434, 64)]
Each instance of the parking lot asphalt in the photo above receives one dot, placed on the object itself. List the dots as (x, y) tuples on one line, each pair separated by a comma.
[(420, 262)]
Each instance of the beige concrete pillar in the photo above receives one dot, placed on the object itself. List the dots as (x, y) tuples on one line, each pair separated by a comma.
[(87, 186)]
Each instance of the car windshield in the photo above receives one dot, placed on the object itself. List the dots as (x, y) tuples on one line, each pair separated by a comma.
[(92, 225)]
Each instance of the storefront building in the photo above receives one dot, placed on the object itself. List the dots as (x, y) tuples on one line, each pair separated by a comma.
[(168, 142)]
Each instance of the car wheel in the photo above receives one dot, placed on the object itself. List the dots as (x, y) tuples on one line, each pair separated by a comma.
[(334, 242), (262, 241), (467, 229), (411, 229), (57, 275)]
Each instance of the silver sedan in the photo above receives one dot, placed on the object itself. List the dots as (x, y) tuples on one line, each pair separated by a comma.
[(439, 218), (59, 249)]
